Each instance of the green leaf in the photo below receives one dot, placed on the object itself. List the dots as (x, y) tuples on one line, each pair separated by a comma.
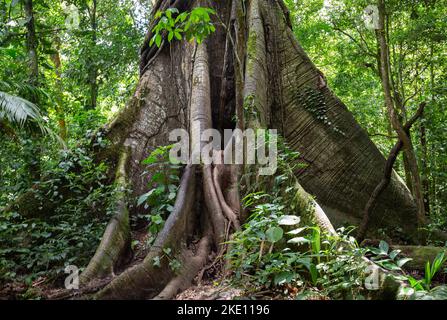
[(394, 254), (428, 275), (403, 261), (296, 231), (169, 14), (313, 273), (134, 244), (152, 40), (158, 177), (157, 219), (438, 262), (158, 40), (283, 277), (172, 195), (274, 234), (384, 247), (175, 265), (156, 261), (389, 265), (316, 241), (158, 14), (415, 284), (177, 35), (142, 199), (289, 220)]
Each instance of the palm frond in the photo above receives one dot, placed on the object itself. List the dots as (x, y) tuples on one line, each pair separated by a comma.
[(19, 111)]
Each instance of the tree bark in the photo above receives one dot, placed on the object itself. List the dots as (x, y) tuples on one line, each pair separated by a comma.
[(59, 93), (92, 66), (31, 45), (35, 150), (424, 165)]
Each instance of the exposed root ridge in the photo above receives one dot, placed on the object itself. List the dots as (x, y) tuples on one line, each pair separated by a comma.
[(115, 242), (193, 263), (146, 279), (218, 172), (213, 206)]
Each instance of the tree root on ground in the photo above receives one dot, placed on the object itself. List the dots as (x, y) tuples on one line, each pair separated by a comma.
[(115, 243), (193, 263)]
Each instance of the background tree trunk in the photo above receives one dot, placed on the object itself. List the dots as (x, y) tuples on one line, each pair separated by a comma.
[(397, 125), (34, 151), (59, 92), (92, 66)]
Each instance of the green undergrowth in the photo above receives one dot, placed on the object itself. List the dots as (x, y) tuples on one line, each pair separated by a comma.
[(280, 249), (41, 247), (158, 202)]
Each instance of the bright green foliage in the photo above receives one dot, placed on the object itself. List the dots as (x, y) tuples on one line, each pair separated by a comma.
[(193, 25), (278, 249), (430, 272), (387, 259), (18, 111), (164, 183)]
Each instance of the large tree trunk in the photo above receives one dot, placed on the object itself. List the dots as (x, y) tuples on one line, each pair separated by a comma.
[(254, 69)]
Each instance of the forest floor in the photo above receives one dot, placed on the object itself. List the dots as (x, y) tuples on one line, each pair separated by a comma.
[(212, 285), (213, 282)]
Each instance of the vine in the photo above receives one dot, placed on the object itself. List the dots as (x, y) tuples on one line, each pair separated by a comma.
[(315, 103)]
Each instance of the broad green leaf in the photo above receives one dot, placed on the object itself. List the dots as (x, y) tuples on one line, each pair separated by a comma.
[(158, 40), (296, 231), (142, 199), (274, 234), (403, 261), (283, 277), (177, 35), (156, 261), (289, 220), (384, 247), (394, 254)]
